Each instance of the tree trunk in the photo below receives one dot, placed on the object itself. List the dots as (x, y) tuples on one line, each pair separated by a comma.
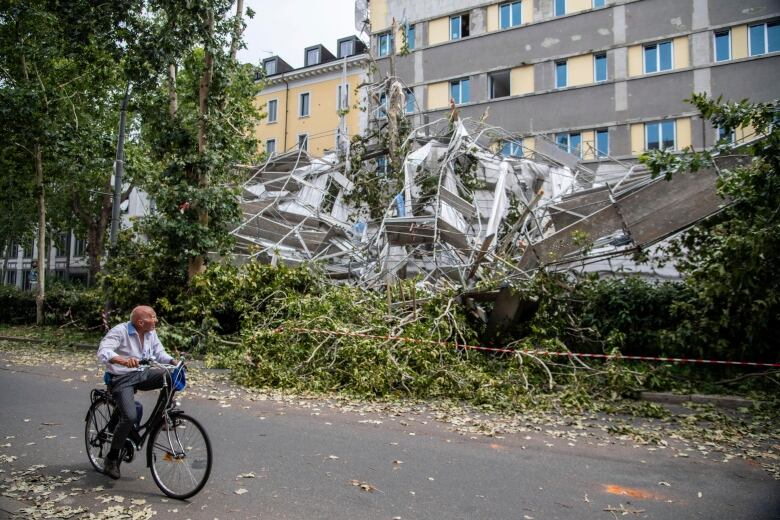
[(196, 265), (93, 253), (237, 30), (173, 100), (6, 255), (41, 293), (68, 242)]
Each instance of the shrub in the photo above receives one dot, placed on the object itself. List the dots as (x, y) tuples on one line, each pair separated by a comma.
[(16, 306)]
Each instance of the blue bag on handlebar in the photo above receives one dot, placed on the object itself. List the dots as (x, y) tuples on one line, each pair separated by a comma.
[(178, 379)]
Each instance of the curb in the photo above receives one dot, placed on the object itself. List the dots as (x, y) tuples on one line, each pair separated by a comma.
[(89, 346), (724, 401), (40, 341)]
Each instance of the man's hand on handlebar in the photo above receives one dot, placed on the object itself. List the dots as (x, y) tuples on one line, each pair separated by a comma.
[(129, 362)]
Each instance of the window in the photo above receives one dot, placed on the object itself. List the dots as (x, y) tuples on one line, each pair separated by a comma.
[(345, 48), (381, 165), (410, 101), (658, 57), (570, 142), (303, 105), (381, 110), (312, 57), (460, 91), (498, 84), (14, 251), (459, 26), (303, 142), (270, 67), (272, 110), (510, 15), (270, 146), (723, 45), (342, 101), (61, 243), (512, 148), (764, 38), (385, 44), (602, 143), (10, 277), (559, 8), (726, 136), (79, 247), (599, 3), (28, 250), (659, 136), (600, 66), (560, 74), (410, 36)]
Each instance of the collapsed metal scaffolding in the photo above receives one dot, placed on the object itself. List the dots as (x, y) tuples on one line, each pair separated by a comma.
[(466, 211)]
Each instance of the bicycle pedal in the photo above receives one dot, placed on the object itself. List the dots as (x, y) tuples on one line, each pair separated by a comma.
[(128, 452)]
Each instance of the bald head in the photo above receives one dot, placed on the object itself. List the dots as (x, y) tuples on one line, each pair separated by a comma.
[(143, 318)]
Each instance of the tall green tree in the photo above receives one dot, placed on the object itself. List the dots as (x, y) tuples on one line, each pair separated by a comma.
[(732, 260), (199, 126)]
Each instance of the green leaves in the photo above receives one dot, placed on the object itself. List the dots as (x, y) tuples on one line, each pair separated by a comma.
[(732, 259)]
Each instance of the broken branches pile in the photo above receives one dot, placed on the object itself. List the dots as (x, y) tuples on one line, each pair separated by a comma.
[(256, 321)]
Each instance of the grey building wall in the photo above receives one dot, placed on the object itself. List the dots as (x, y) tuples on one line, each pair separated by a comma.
[(614, 104)]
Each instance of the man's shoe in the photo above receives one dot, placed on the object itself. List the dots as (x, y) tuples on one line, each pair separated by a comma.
[(111, 468)]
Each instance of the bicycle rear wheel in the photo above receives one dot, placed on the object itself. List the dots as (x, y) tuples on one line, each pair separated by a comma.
[(97, 438), (180, 457)]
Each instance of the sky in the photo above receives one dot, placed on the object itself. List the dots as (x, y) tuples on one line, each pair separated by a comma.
[(286, 27)]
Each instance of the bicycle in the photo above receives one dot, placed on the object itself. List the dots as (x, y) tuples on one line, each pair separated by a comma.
[(179, 451)]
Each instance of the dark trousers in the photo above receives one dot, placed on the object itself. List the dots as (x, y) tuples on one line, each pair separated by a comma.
[(123, 389)]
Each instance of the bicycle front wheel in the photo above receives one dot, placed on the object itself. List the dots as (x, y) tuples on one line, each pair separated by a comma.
[(96, 435), (180, 457)]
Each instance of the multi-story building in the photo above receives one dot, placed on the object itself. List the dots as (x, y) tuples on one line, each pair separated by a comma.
[(313, 107), (597, 77), (66, 257)]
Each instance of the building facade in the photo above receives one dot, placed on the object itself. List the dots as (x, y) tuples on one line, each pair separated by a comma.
[(597, 77), (66, 257), (316, 106)]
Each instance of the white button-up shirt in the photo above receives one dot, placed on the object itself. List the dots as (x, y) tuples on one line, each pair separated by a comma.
[(123, 340)]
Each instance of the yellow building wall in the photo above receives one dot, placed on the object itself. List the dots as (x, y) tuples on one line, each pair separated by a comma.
[(265, 130), (439, 30), (744, 133), (637, 138), (521, 80), (580, 70), (378, 10), (635, 60), (683, 133), (588, 144), (739, 42), (527, 9), (438, 95), (529, 145), (493, 21), (682, 53), (575, 6), (320, 125)]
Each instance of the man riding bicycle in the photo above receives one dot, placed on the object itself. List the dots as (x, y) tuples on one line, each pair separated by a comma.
[(121, 350)]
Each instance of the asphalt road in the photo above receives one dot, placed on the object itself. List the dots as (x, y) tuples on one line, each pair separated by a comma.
[(308, 460)]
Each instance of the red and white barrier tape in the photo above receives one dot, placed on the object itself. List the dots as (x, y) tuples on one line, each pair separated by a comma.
[(531, 351)]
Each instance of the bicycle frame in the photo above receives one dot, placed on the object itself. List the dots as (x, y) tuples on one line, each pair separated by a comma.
[(164, 408)]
